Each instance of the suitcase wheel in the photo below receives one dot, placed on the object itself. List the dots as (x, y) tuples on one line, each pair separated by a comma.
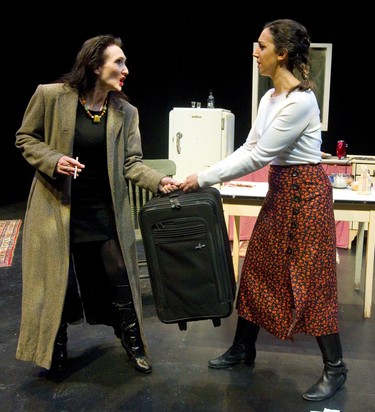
[(216, 322), (182, 325)]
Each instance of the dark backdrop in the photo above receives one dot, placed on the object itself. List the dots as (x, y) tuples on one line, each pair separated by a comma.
[(175, 55)]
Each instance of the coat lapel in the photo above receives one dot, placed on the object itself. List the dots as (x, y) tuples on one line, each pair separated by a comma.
[(68, 112), (116, 122)]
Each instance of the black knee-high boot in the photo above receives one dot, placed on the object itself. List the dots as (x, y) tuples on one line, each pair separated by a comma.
[(126, 328), (242, 349), (334, 372), (60, 353), (131, 338)]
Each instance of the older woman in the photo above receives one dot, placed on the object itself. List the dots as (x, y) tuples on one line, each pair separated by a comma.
[(82, 137)]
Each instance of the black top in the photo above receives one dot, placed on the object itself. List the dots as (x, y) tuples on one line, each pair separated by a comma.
[(92, 215)]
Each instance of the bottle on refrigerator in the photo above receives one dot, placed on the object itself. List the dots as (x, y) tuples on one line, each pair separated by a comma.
[(210, 101)]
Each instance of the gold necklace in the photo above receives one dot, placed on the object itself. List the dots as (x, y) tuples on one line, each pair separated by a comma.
[(95, 117)]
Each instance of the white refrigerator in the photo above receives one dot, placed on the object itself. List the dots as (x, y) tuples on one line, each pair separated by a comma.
[(198, 138)]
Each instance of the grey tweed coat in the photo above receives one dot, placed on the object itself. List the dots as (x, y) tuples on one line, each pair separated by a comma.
[(46, 134)]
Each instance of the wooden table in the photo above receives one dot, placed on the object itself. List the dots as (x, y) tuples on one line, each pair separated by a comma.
[(348, 206)]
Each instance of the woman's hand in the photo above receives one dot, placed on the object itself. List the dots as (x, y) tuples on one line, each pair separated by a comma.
[(68, 166), (168, 185), (191, 183)]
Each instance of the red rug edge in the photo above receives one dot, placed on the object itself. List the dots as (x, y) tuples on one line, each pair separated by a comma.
[(9, 254)]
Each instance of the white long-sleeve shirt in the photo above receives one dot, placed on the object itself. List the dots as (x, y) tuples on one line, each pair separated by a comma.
[(287, 131)]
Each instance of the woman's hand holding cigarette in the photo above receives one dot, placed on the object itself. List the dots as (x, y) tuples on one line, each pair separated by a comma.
[(69, 166)]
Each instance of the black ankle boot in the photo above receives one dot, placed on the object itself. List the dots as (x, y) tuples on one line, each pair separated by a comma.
[(234, 355), (130, 337), (60, 353), (243, 348), (332, 379), (334, 372)]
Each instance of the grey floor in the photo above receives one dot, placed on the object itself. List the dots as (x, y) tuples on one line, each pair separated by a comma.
[(101, 379)]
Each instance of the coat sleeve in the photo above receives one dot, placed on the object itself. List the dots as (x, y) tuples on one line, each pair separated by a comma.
[(135, 170), (31, 136)]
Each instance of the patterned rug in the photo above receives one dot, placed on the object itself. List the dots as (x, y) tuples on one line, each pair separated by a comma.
[(9, 230)]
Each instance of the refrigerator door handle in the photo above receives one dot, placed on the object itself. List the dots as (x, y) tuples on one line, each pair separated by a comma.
[(178, 144)]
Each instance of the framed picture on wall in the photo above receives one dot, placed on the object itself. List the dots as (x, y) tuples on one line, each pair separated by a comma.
[(320, 74)]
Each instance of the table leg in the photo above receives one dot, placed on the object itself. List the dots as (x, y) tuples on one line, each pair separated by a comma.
[(236, 246), (359, 255), (369, 265), (235, 251)]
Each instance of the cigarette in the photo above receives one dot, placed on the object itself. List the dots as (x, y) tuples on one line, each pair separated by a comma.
[(75, 170)]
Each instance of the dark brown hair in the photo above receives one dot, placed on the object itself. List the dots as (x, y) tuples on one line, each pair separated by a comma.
[(91, 56), (292, 37)]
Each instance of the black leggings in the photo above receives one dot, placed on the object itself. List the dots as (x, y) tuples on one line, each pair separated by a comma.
[(105, 254)]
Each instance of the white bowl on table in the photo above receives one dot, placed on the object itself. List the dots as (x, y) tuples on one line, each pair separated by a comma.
[(340, 180)]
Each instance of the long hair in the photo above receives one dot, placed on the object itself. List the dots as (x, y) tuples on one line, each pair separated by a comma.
[(291, 36), (90, 57)]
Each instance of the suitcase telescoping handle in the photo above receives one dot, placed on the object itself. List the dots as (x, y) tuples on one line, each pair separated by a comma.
[(174, 196), (173, 199)]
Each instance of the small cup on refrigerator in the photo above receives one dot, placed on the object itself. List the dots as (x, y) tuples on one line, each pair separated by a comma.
[(199, 105), (193, 104)]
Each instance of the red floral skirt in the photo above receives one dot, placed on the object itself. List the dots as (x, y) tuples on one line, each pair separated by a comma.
[(288, 282)]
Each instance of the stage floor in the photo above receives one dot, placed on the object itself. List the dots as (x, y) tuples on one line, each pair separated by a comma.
[(101, 379)]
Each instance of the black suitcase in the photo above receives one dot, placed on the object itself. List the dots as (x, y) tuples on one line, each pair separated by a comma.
[(188, 256)]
